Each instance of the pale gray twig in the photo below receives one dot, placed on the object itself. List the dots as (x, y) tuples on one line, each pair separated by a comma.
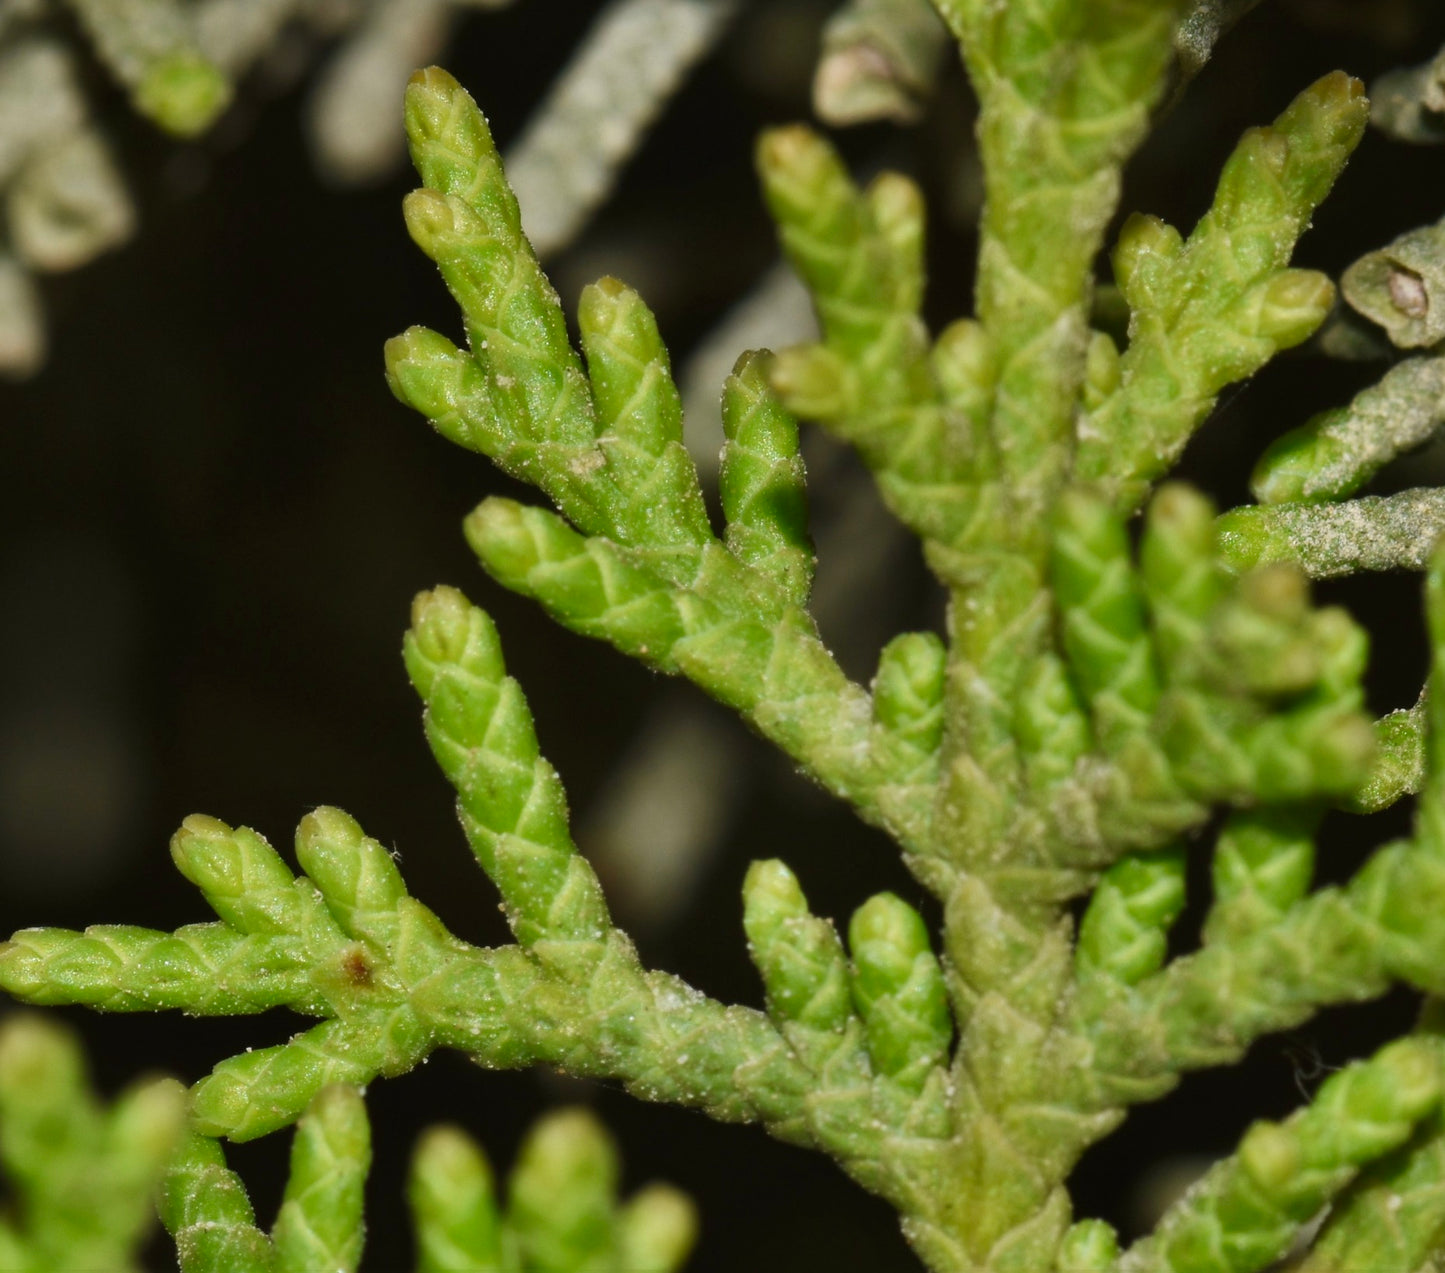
[(354, 116), (597, 111)]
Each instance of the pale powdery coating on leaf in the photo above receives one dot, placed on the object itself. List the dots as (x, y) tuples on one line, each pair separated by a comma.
[(1375, 532), (1338, 451), (1202, 27)]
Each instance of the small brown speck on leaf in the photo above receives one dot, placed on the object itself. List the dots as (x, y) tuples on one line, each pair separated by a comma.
[(356, 966)]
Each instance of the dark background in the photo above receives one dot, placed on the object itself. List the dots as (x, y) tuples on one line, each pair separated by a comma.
[(214, 517)]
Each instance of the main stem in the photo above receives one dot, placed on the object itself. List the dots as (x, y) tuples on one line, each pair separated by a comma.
[(1052, 142)]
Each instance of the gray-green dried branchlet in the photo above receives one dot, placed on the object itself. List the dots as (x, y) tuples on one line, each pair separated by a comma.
[(880, 60), (1089, 706), (80, 1177), (1409, 103), (1337, 452), (1402, 287), (1202, 27)]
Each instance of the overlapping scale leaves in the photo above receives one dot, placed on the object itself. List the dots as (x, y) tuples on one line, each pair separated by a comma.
[(1091, 707), (638, 565), (1201, 687), (1188, 339), (563, 1214), (346, 942), (79, 1175), (1307, 483)]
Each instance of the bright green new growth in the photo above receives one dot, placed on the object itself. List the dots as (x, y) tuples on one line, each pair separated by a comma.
[(563, 1215), (1087, 710), (1246, 1212), (152, 47), (1189, 338), (205, 1207), (80, 1176)]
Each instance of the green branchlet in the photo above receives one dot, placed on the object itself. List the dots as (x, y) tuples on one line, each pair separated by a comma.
[(1090, 1246), (1399, 767), (799, 956), (80, 1176), (562, 1194), (1200, 687), (1246, 1212), (1263, 864), (1394, 1214), (1065, 92), (346, 943), (205, 1206), (208, 1213), (908, 693), (1213, 309), (454, 1204), (151, 46), (870, 378), (1089, 708), (511, 801), (761, 482), (183, 93), (898, 989), (563, 1215), (1394, 1217), (646, 573), (1125, 931), (320, 1222)]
